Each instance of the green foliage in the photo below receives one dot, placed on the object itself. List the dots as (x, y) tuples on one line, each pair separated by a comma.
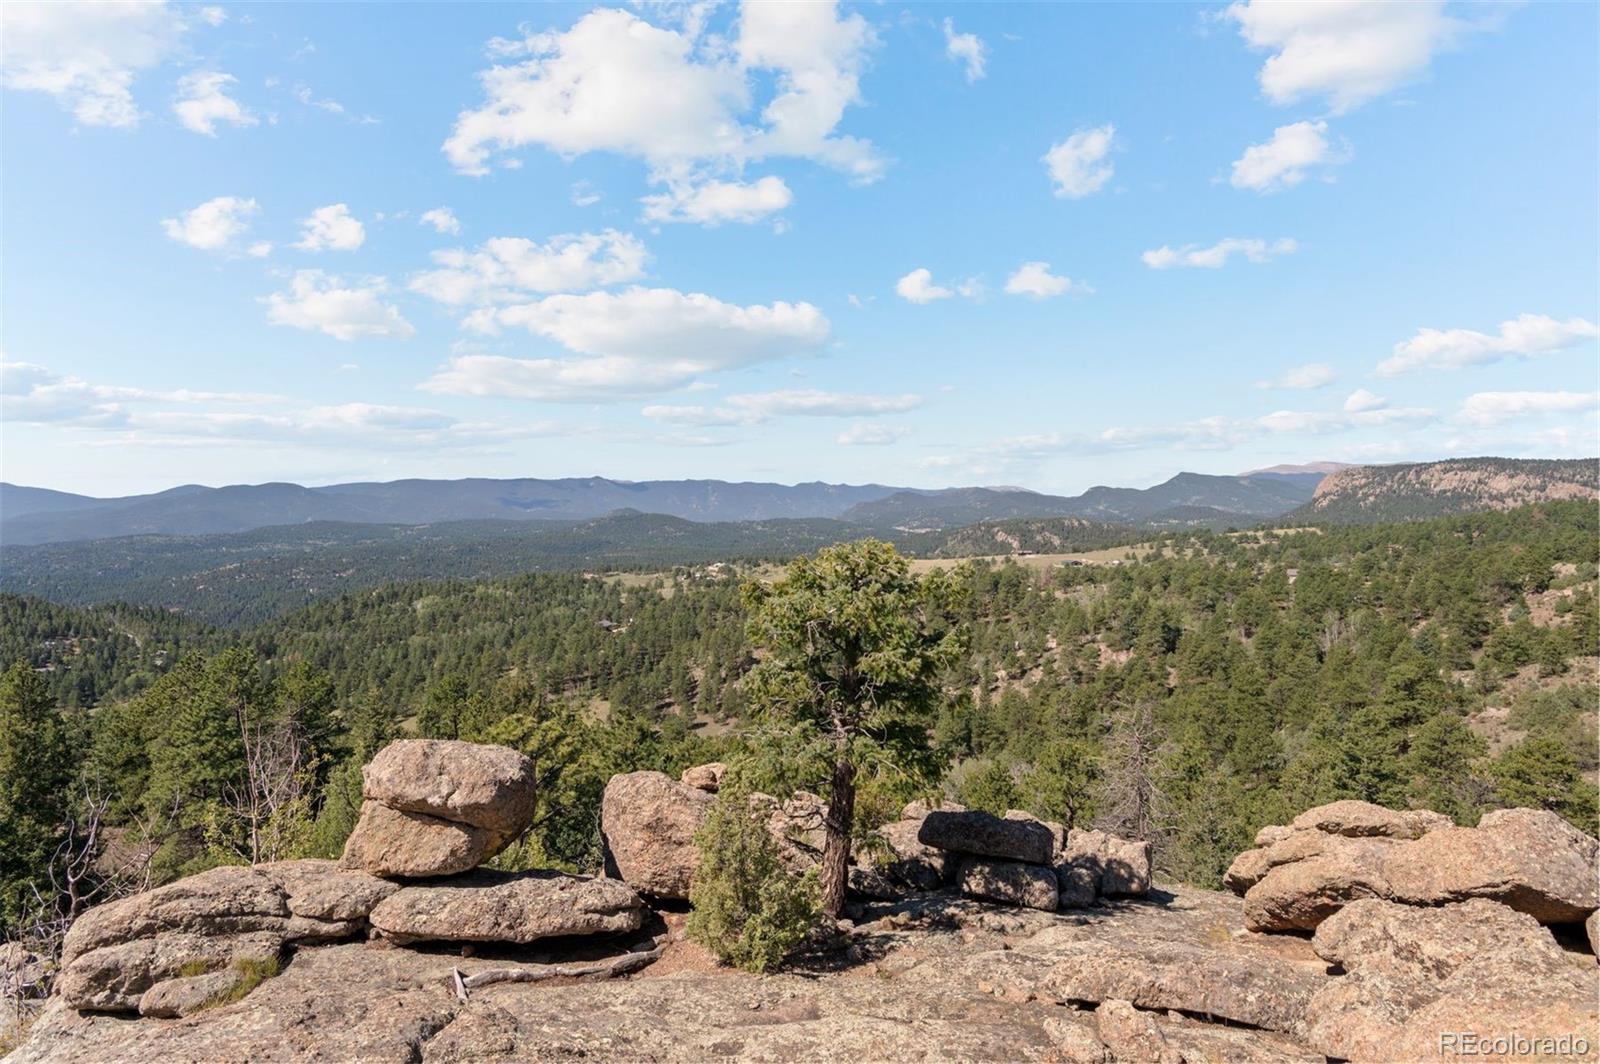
[(856, 648), (251, 973), (35, 771), (747, 910), (1063, 783), (988, 786), (1541, 773)]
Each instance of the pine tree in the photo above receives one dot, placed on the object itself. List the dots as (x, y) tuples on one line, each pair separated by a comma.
[(35, 771)]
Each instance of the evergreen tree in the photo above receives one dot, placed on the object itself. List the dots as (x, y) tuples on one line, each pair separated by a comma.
[(35, 771)]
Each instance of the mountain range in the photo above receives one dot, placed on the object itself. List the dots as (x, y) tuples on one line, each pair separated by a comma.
[(40, 515)]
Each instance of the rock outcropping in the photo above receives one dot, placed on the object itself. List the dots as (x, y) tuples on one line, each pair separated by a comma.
[(1330, 856), (435, 807)]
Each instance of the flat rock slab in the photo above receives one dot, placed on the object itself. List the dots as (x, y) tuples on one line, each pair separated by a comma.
[(986, 835), (116, 952), (516, 907), (487, 787), (1358, 819), (392, 842)]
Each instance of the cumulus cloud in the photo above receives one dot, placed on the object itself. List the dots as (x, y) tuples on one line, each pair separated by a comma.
[(324, 303), (918, 287), (1348, 52), (640, 341), (1526, 336), (965, 48), (87, 55), (442, 219), (1310, 376), (1485, 409), (34, 394), (711, 203), (614, 82), (1360, 401), (1218, 254), (509, 268), (331, 228), (1078, 165), (1283, 161), (203, 101), (754, 408), (214, 225), (1035, 279)]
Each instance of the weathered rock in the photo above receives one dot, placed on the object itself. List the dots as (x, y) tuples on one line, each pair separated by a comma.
[(1359, 819), (649, 822), (116, 952), (182, 996), (1077, 884), (1416, 974), (1242, 986), (1030, 886), (1529, 859), (519, 907), (393, 842), (909, 862), (914, 995), (706, 778), (1132, 1035), (1058, 832), (986, 835), (1273, 833), (1591, 927), (487, 787), (1121, 866), (1300, 894)]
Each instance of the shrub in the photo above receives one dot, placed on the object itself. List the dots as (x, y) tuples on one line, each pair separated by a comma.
[(748, 910)]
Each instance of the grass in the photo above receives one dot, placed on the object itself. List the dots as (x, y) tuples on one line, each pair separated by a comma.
[(251, 972), (190, 969)]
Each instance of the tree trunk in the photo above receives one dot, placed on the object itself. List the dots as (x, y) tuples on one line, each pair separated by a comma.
[(836, 846)]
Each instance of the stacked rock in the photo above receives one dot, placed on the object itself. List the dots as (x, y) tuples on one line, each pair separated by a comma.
[(1021, 860), (432, 810), (1330, 856), (436, 807)]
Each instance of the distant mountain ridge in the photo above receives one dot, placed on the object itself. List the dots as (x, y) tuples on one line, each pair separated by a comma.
[(1415, 491), (39, 515)]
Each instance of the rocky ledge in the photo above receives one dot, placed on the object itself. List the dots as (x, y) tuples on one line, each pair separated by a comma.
[(971, 937)]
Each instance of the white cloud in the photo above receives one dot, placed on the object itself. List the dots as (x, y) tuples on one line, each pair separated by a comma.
[(33, 394), (1361, 401), (713, 202), (214, 225), (965, 48), (331, 228), (639, 341), (754, 408), (1035, 279), (1486, 409), (1078, 165), (321, 302), (508, 268), (1282, 162), (1310, 376), (443, 220), (87, 55), (918, 287), (1350, 52), (203, 101), (614, 82), (866, 434), (1218, 254), (212, 16), (584, 194), (1525, 336)]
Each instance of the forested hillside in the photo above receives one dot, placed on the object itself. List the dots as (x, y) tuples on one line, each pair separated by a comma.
[(1218, 683)]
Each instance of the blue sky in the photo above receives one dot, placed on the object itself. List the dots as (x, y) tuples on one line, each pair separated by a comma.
[(1048, 245)]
